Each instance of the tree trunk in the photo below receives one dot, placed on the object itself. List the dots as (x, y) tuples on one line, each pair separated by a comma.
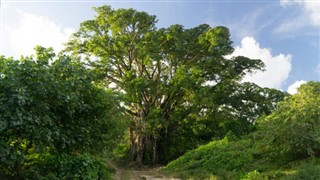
[(138, 147), (144, 144), (140, 150), (155, 154)]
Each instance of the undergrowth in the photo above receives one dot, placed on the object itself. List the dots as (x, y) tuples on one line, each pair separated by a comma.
[(241, 159)]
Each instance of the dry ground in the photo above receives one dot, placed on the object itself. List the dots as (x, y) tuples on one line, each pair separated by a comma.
[(148, 174)]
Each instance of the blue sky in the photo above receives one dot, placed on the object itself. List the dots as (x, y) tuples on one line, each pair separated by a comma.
[(285, 34)]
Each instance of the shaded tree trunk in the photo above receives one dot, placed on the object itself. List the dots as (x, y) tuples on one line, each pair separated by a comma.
[(155, 151), (144, 147), (138, 145)]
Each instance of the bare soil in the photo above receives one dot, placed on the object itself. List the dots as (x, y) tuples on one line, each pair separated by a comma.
[(146, 174)]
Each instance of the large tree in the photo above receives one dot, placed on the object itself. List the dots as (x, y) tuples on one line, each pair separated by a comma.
[(169, 76)]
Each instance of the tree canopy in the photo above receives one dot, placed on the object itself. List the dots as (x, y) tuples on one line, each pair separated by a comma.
[(176, 81)]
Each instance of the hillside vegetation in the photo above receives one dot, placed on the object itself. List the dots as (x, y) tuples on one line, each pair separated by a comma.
[(125, 91), (285, 146)]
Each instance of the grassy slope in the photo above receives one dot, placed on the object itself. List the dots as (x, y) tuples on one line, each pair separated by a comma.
[(285, 146), (240, 159)]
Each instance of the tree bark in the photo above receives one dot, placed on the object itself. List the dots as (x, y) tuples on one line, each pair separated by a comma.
[(138, 145), (155, 154)]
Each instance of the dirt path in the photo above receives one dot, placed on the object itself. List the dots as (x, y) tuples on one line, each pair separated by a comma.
[(149, 174)]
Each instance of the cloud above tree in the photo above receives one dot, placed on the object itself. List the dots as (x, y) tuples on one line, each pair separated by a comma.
[(293, 88), (32, 30), (277, 67)]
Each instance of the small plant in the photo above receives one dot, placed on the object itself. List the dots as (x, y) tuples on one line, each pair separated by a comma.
[(254, 175)]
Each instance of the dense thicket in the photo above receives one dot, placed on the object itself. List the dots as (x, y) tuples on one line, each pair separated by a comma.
[(293, 129), (180, 90), (49, 107), (285, 146)]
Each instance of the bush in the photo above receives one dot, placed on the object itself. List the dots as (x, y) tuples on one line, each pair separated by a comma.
[(50, 105), (65, 166), (293, 130), (309, 170)]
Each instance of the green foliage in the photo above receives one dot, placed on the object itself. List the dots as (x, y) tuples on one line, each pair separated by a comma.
[(294, 128), (50, 105), (254, 175), (224, 158), (120, 152), (64, 166), (285, 146), (309, 170), (239, 159), (242, 104), (164, 74)]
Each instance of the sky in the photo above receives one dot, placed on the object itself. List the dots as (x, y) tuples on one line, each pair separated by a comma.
[(284, 34)]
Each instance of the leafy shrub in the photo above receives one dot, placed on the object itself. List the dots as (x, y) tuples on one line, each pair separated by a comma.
[(309, 170), (10, 159), (293, 130), (65, 166), (50, 105), (121, 152)]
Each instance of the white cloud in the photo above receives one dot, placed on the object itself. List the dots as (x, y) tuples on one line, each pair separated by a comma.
[(35, 30), (293, 88), (4, 5), (292, 25), (285, 3), (318, 70), (311, 11), (277, 67)]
